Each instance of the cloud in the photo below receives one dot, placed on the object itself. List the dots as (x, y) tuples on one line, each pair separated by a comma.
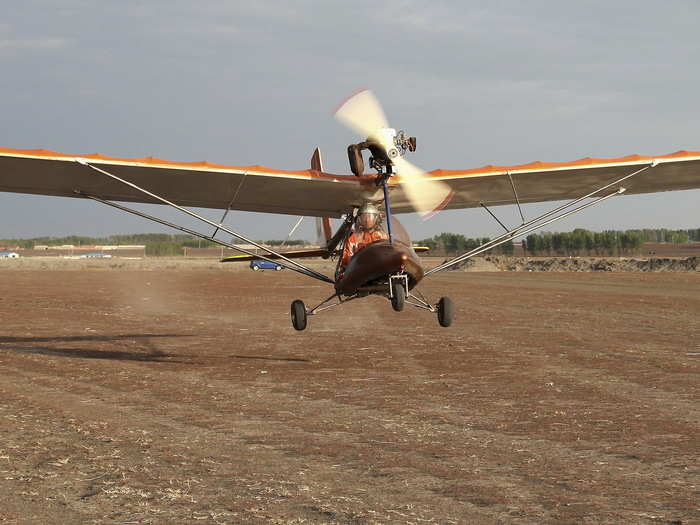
[(244, 83), (34, 44)]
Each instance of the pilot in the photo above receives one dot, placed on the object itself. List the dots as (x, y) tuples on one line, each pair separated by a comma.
[(366, 232)]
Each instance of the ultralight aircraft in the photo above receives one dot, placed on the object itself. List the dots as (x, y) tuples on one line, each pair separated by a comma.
[(389, 267)]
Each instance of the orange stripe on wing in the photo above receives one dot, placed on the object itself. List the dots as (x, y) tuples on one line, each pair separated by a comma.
[(155, 161), (538, 165)]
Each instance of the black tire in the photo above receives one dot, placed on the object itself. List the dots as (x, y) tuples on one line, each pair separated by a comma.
[(298, 315), (445, 311), (399, 297), (357, 164)]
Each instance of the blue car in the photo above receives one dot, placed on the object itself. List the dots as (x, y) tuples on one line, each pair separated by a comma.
[(260, 264)]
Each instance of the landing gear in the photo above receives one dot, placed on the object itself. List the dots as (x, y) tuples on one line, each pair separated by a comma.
[(298, 312), (398, 290), (398, 297), (445, 311)]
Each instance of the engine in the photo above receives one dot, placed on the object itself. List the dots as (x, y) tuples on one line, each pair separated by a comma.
[(386, 144)]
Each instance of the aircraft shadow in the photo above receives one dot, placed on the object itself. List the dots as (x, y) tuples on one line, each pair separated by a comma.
[(147, 354), (266, 358)]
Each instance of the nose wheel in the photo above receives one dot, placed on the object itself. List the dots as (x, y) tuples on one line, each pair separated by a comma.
[(398, 290), (398, 296)]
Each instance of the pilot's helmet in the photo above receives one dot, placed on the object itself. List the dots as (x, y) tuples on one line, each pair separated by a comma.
[(368, 217)]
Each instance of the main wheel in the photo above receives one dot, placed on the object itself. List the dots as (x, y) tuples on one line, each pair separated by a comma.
[(445, 311), (399, 297), (256, 267), (298, 315), (278, 268)]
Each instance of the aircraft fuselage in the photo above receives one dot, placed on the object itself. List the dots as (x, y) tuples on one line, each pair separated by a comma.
[(373, 264)]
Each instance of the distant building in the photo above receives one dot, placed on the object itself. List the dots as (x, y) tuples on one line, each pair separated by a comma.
[(90, 247), (9, 255), (89, 250)]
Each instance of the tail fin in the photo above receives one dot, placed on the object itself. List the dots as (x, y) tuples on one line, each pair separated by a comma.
[(323, 224)]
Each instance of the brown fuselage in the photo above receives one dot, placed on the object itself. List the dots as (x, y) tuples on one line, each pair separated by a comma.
[(374, 263)]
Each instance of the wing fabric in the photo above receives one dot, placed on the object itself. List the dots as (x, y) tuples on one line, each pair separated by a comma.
[(319, 194), (204, 185), (539, 182)]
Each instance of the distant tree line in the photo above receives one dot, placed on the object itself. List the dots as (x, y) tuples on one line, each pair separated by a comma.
[(609, 242), (455, 243), (577, 242), (672, 236)]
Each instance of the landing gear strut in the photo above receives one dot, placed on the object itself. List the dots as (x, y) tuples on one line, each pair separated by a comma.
[(399, 296)]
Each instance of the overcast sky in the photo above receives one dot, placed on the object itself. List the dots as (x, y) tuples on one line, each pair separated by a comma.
[(255, 83)]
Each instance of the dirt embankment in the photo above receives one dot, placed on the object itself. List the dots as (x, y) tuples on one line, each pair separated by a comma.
[(477, 264), (581, 264)]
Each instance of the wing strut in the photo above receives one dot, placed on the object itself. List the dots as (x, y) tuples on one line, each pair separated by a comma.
[(228, 208), (223, 218), (291, 232), (542, 220), (494, 216), (517, 200), (292, 265)]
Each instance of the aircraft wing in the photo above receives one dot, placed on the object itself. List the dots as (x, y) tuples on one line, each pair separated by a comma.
[(541, 181), (202, 184), (315, 193)]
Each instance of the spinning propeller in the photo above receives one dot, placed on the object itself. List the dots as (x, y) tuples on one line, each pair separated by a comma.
[(363, 114)]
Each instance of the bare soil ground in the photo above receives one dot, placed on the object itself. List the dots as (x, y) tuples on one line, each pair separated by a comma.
[(185, 396)]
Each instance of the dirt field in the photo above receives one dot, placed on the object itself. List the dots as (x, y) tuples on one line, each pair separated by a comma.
[(185, 396)]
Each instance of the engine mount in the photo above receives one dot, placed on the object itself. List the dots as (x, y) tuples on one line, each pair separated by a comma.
[(384, 146)]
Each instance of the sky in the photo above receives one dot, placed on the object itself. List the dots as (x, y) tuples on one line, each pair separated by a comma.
[(241, 83)]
